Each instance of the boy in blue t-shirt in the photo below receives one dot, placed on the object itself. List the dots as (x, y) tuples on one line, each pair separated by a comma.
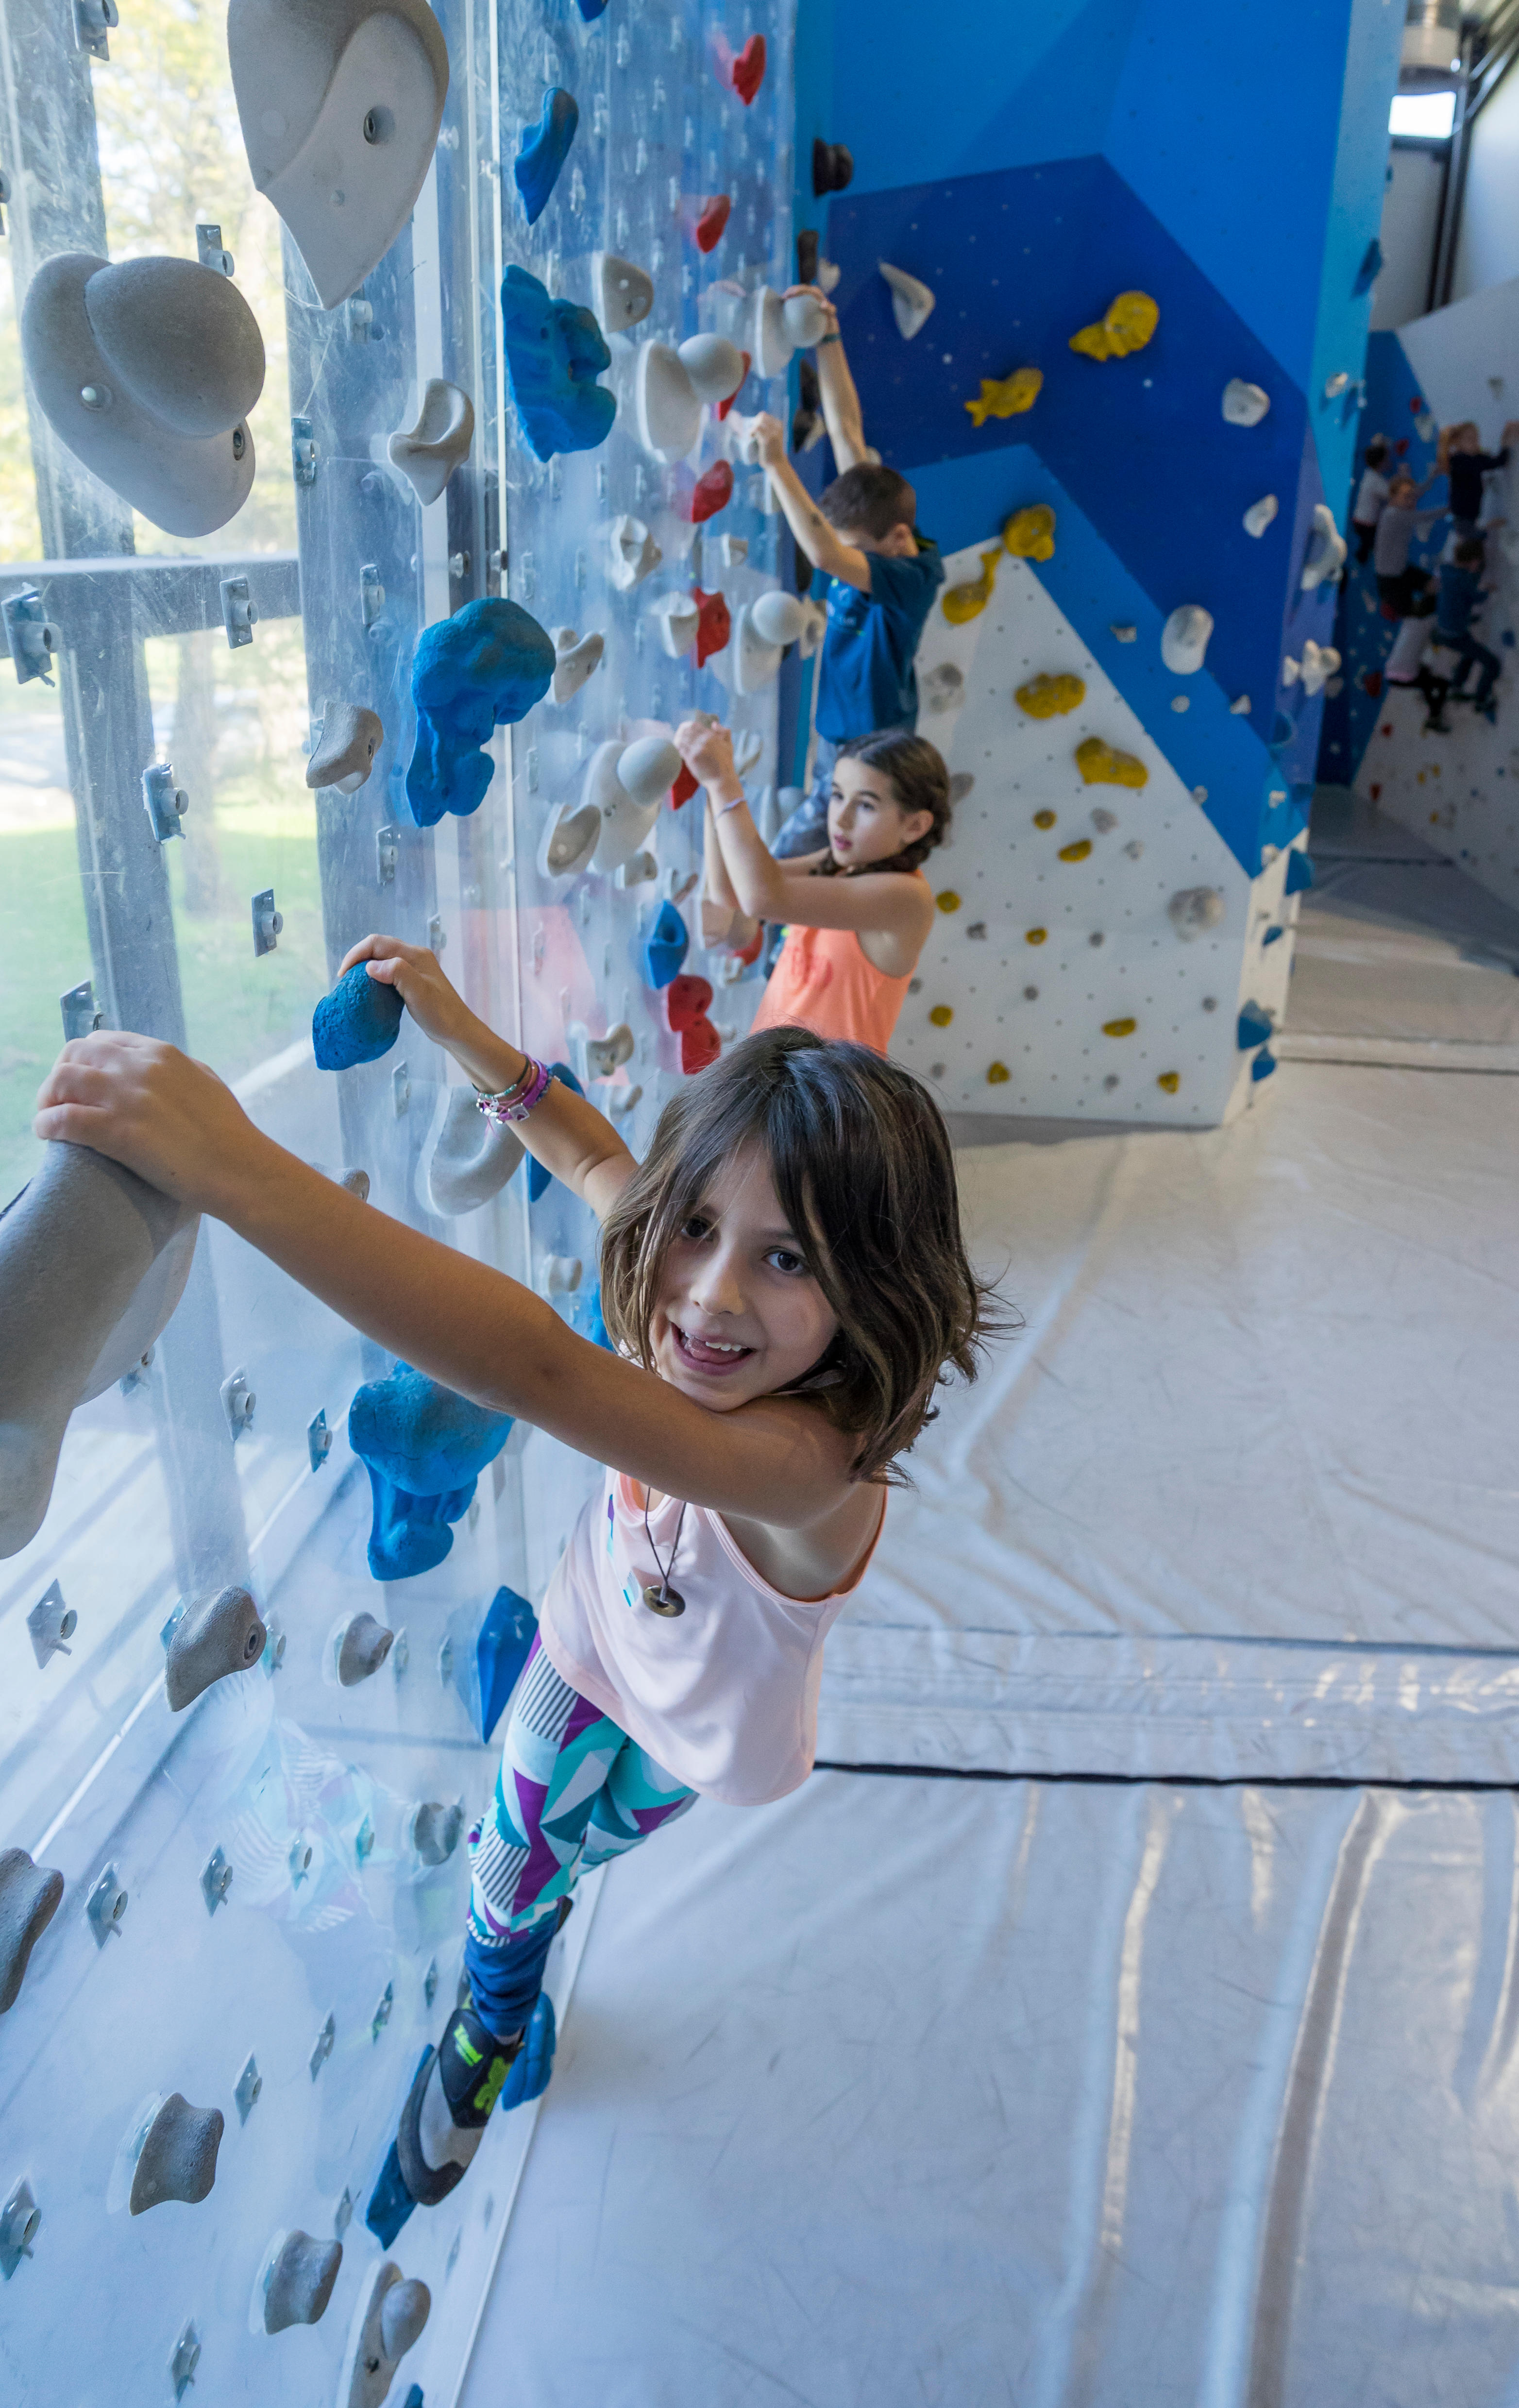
[(882, 579)]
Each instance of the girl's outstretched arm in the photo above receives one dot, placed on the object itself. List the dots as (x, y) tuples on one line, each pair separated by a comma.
[(777, 1460), (565, 1132)]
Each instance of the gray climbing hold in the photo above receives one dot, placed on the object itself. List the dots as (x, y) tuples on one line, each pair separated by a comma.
[(394, 2312), (362, 1648), (575, 657), (569, 839), (148, 370), (29, 1896), (434, 1831), (466, 1159), (1193, 910), (177, 2157), (341, 103), (344, 753), (223, 1634), (300, 2282), (92, 1262), (428, 453), (624, 293)]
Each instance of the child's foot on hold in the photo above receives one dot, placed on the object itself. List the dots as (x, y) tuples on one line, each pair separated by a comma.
[(1440, 727), (444, 2120)]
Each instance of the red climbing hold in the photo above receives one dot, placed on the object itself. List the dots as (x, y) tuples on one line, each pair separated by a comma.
[(746, 73), (1416, 406), (1401, 447), (712, 213), (724, 407), (700, 1046), (1371, 683), (713, 492), (749, 953), (713, 625), (1387, 727), (1376, 793), (683, 788)]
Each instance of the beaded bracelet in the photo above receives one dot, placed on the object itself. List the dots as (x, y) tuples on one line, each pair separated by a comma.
[(523, 1096)]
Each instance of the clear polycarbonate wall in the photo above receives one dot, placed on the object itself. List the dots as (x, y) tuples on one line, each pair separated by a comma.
[(287, 1941)]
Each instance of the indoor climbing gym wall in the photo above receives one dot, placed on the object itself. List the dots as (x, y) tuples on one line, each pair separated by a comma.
[(1457, 787), (381, 517), (1131, 434)]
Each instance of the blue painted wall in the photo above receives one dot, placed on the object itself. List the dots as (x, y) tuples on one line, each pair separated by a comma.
[(1029, 164)]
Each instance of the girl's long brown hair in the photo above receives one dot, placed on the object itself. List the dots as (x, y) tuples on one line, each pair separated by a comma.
[(861, 1161)]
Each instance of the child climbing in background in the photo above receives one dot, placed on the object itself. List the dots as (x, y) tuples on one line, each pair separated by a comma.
[(787, 1284), (862, 535), (1408, 663), (1466, 464), (1371, 495), (1461, 592), (858, 910), (1401, 520)]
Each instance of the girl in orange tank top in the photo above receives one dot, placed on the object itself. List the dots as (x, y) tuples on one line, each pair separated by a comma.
[(857, 915)]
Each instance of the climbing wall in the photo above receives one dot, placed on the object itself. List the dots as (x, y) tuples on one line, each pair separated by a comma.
[(1093, 279), (246, 1918)]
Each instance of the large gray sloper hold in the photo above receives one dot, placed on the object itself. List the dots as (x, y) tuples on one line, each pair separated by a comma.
[(29, 1896), (92, 1262), (466, 1159), (148, 371), (300, 2282), (340, 102), (177, 2157), (344, 752), (221, 1634), (362, 1647), (394, 2314)]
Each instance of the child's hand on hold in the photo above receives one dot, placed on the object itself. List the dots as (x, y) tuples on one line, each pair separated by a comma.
[(145, 1104), (707, 750), (815, 292), (765, 439), (436, 1006)]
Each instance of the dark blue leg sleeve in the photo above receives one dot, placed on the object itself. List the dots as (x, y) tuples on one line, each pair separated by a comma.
[(506, 1981)]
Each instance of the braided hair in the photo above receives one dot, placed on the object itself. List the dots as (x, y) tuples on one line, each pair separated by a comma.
[(918, 783)]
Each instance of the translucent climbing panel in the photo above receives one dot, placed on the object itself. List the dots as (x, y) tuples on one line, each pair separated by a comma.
[(237, 1769)]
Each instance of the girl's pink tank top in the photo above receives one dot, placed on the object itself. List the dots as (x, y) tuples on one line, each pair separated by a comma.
[(724, 1696), (823, 982)]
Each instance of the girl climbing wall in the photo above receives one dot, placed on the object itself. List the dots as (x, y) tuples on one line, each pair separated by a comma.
[(858, 912)]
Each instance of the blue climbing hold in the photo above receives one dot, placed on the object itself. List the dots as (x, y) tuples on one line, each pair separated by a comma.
[(484, 668), (1272, 935), (1263, 1065), (390, 2202), (413, 2398), (538, 1178), (596, 1321), (542, 150), (425, 1448), (1300, 873), (591, 9), (665, 947), (533, 2062), (1254, 1027), (357, 1023), (1282, 731), (555, 350), (1507, 638), (1370, 267), (501, 1650)]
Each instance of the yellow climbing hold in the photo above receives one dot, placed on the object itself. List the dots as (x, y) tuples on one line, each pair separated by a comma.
[(1128, 327), (949, 901), (963, 603), (1103, 765), (941, 1015), (1119, 1027), (1077, 851), (1171, 1080), (1029, 535), (998, 1075), (1044, 818), (1051, 697), (1007, 399), (1035, 935)]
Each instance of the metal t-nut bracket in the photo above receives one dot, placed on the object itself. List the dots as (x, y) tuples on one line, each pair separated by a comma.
[(401, 1089), (387, 854), (105, 1905), (322, 2046), (52, 1623), (239, 612), (19, 2219), (361, 320), (267, 923), (186, 2355), (31, 636), (165, 802), (318, 1440), (215, 1879), (246, 2090), (303, 452), (371, 592), (81, 1014), (92, 21), (237, 1403), (210, 254)]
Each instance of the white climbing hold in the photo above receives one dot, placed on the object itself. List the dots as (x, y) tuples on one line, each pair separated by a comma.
[(829, 273), (912, 304), (1124, 632), (648, 768), (807, 320), (678, 617), (770, 342), (1334, 386), (603, 1056), (715, 366), (763, 629), (748, 751), (666, 411), (1327, 550), (624, 821), (1240, 706), (1260, 515), (559, 1274), (575, 658), (428, 452), (624, 293), (1245, 405), (625, 1100), (733, 550), (1315, 671), (1103, 820), (814, 627), (635, 555), (344, 751), (466, 1159), (1193, 910), (638, 870), (389, 2319), (568, 840), (1184, 639)]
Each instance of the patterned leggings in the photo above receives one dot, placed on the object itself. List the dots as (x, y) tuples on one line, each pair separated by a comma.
[(573, 1791)]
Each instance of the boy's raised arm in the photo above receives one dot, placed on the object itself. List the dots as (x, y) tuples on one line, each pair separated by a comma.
[(822, 545), (841, 412)]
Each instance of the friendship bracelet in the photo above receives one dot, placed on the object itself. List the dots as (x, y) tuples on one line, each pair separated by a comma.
[(724, 809), (513, 1105)]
